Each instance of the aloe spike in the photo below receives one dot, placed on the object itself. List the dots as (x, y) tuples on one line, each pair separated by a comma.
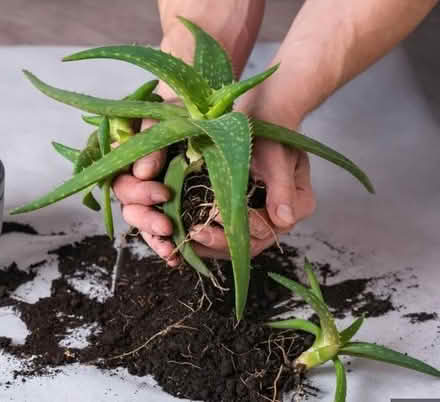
[(86, 158), (351, 330), (155, 98), (210, 58), (143, 92), (107, 107), (92, 119), (89, 200), (328, 327), (107, 207), (92, 140), (174, 179), (222, 99), (383, 354), (228, 161), (296, 323), (300, 141), (182, 78), (70, 154), (156, 137), (313, 280), (341, 380)]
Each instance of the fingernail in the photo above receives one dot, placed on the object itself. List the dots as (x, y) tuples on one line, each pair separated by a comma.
[(158, 197), (157, 229), (203, 237), (150, 165), (285, 213)]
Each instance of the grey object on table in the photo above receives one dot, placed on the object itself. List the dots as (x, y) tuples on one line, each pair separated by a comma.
[(2, 193)]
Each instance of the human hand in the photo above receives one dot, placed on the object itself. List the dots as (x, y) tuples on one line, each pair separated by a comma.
[(286, 173), (139, 193)]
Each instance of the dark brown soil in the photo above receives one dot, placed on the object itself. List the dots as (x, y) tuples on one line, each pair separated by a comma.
[(163, 322), (198, 198), (9, 227), (196, 349), (416, 318)]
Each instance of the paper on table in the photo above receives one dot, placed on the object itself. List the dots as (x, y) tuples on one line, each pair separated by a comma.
[(380, 120)]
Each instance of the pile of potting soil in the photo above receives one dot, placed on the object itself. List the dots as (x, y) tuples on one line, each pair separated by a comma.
[(170, 324)]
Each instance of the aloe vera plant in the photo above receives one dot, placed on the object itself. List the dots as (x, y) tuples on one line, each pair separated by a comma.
[(330, 343), (216, 136)]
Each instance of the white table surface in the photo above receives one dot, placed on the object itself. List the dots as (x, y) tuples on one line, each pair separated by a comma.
[(381, 121)]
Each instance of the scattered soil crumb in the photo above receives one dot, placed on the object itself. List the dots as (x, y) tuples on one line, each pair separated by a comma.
[(416, 318), (9, 227)]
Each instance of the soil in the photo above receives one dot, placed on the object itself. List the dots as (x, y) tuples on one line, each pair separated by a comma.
[(416, 318), (167, 323), (9, 227)]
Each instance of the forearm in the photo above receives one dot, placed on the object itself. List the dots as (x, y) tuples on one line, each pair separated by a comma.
[(233, 23), (329, 43)]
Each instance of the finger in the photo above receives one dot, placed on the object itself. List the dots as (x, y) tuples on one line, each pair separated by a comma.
[(256, 247), (210, 236), (279, 179), (147, 219), (259, 222), (163, 248), (208, 252), (259, 245), (130, 190), (149, 166), (306, 200)]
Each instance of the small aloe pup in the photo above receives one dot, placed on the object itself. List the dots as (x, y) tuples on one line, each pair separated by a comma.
[(216, 137), (329, 343)]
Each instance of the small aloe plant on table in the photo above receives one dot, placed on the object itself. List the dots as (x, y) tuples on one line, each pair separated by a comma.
[(329, 343), (216, 137)]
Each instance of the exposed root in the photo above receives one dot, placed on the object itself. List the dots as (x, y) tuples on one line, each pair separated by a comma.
[(274, 234), (163, 332), (275, 383), (185, 364)]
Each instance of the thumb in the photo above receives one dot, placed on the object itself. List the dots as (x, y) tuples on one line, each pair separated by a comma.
[(275, 164), (149, 166)]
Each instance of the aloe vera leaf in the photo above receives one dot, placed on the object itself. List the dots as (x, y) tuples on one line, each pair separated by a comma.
[(296, 323), (300, 141), (222, 99), (143, 93), (109, 107), (210, 59), (174, 179), (351, 330), (70, 154), (228, 163), (341, 380), (107, 207), (383, 354), (155, 98), (186, 82), (104, 136), (89, 200), (86, 158), (313, 280), (328, 327), (156, 137), (92, 119)]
